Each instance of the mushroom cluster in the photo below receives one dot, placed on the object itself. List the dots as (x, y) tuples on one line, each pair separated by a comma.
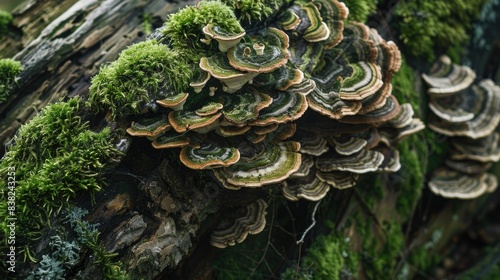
[(305, 103), (467, 112), (235, 227)]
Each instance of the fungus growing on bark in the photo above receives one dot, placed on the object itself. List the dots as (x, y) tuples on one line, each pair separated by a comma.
[(200, 79), (182, 121), (208, 155), (261, 54), (174, 101), (312, 144), (486, 149), (170, 140), (447, 78), (484, 108), (149, 127), (468, 113), (239, 109), (235, 228), (453, 184), (261, 164), (224, 37), (305, 103), (285, 107), (218, 67), (361, 162), (309, 187)]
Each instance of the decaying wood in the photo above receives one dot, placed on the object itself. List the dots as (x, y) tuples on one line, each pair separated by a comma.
[(60, 59)]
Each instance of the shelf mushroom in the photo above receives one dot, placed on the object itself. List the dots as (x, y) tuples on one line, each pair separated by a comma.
[(250, 219), (149, 127), (260, 165), (468, 113)]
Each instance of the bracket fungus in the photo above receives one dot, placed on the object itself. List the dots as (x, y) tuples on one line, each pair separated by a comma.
[(218, 67), (453, 184), (225, 38), (149, 127), (305, 101), (466, 111), (261, 165), (447, 78), (208, 156), (250, 219), (261, 54)]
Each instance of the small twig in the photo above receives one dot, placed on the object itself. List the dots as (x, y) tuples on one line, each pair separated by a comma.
[(313, 218)]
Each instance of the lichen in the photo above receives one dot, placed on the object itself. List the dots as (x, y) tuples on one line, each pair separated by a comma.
[(9, 70), (55, 157), (144, 71), (65, 255)]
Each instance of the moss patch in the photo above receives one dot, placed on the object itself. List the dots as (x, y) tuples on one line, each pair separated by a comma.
[(360, 10), (143, 73), (55, 156), (252, 11), (9, 69), (5, 20), (425, 25), (329, 258), (183, 29)]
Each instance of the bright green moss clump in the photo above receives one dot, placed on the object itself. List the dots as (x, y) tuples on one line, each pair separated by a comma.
[(9, 69), (327, 259), (5, 19), (183, 28), (143, 73), (53, 158), (425, 25), (360, 10), (251, 11)]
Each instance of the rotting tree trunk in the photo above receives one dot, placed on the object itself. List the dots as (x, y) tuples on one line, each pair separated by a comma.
[(151, 220), (62, 44), (155, 214)]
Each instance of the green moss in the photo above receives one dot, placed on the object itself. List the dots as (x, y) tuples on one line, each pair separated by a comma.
[(9, 69), (147, 20), (328, 258), (413, 155), (144, 72), (360, 10), (183, 28), (252, 11), (5, 20), (54, 157), (413, 150), (421, 260), (426, 25), (380, 258), (403, 86)]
